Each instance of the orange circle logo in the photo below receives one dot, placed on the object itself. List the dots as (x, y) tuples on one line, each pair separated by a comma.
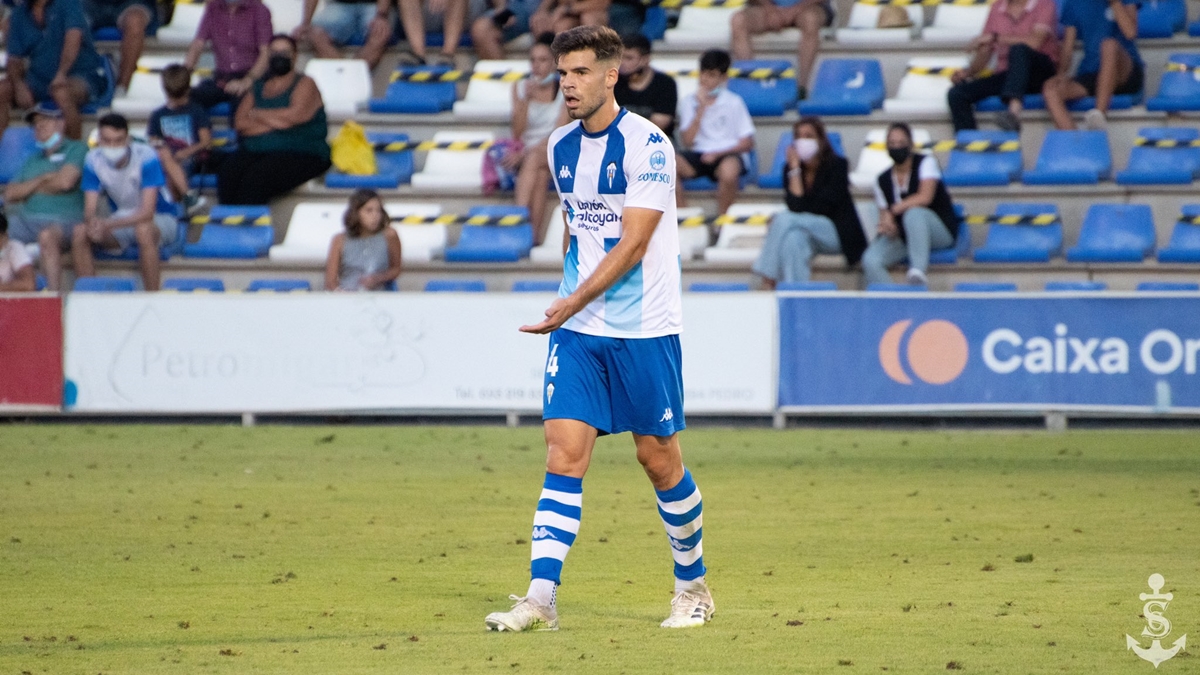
[(937, 352)]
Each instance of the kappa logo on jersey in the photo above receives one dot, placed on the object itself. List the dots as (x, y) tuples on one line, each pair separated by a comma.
[(541, 532), (658, 160), (655, 138), (612, 173), (667, 416), (564, 172)]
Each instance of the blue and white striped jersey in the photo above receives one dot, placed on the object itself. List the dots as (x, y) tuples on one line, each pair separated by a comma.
[(629, 164)]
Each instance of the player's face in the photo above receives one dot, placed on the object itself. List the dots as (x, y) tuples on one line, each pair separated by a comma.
[(585, 82)]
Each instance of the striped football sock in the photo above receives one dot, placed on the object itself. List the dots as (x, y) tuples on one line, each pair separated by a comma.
[(681, 511), (555, 525)]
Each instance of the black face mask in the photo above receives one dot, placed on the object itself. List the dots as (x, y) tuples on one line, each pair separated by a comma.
[(279, 64), (898, 155)]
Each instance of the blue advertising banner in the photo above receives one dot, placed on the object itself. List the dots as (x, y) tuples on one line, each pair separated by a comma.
[(1007, 352)]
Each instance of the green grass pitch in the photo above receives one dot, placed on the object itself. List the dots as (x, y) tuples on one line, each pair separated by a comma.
[(208, 549)]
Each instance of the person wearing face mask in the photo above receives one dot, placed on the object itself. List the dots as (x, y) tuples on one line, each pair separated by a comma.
[(44, 199), (130, 176), (716, 130), (281, 129), (537, 110), (916, 214), (820, 215), (238, 31), (641, 89)]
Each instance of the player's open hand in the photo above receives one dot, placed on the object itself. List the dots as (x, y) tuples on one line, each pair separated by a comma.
[(556, 315)]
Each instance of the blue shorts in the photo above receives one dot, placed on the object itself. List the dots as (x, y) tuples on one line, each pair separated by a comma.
[(615, 384), (348, 23)]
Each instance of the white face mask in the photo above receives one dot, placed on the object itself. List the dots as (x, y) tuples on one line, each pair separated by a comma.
[(806, 148), (114, 155)]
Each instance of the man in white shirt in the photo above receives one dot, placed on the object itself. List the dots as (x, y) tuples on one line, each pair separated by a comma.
[(716, 129), (16, 267)]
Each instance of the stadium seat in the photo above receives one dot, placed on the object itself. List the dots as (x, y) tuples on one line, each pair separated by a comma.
[(455, 286), (408, 96), (739, 243), (845, 87), (493, 243), (684, 71), (773, 179), (701, 27), (1021, 243), (1114, 233), (895, 288), (861, 26), (16, 146), (419, 242), (39, 282), (808, 286), (693, 232), (1163, 156), (453, 169), (103, 285), (955, 23), (984, 287), (922, 90), (713, 287), (190, 285), (1179, 88), (551, 249), (1193, 28), (233, 232), (704, 183), (1184, 246), (312, 226), (654, 25), (1071, 158), (765, 97), (1069, 286), (392, 169), (278, 285), (145, 92), (874, 159), (184, 22), (961, 248), (536, 286), (345, 84), (491, 98), (1161, 18), (164, 252), (1168, 287), (983, 159), (286, 15)]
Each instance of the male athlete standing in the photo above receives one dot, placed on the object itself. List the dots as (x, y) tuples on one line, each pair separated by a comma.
[(614, 362)]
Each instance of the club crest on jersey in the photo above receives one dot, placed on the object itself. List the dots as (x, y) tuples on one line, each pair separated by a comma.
[(658, 160), (611, 172)]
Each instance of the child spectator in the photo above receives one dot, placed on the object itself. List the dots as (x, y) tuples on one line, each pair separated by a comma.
[(16, 267), (643, 90), (343, 22), (181, 131), (1111, 64), (716, 129), (366, 257), (772, 16)]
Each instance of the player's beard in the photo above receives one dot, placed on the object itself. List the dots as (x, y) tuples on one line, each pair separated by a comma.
[(587, 108)]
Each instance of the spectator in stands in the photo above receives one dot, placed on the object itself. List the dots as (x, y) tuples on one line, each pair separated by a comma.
[(820, 216), (281, 133), (916, 214), (51, 56), (1021, 35), (182, 133), (556, 16), (449, 17), (537, 110), (44, 200), (133, 18), (643, 90), (772, 16), (366, 257), (1111, 64), (715, 130), (505, 21), (369, 23), (16, 267), (239, 31), (131, 177)]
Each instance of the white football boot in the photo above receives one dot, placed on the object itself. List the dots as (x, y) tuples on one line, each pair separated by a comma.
[(524, 616), (690, 608)]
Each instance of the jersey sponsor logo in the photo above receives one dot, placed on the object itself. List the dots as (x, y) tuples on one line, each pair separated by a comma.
[(655, 177), (612, 173), (655, 138), (564, 172), (541, 532), (592, 215), (658, 160)]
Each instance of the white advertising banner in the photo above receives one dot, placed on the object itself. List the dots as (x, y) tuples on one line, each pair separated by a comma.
[(214, 353)]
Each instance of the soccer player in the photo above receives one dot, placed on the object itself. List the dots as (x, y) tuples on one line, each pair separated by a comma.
[(614, 363)]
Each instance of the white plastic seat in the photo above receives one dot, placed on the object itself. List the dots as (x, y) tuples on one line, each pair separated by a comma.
[(345, 84), (693, 239), (145, 92), (740, 244), (874, 159), (550, 250), (701, 27), (419, 243), (312, 226), (860, 27), (453, 169), (286, 15), (490, 98), (184, 22), (919, 93), (684, 85), (956, 23)]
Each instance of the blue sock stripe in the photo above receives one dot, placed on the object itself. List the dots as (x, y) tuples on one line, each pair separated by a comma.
[(690, 572), (683, 490), (562, 483), (689, 542), (562, 536), (546, 568), (678, 520), (559, 508)]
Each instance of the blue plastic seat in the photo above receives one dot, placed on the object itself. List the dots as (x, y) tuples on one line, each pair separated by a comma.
[(164, 252), (1022, 243), (39, 282), (103, 285), (1184, 246), (845, 87), (1150, 164), (239, 232), (194, 284), (962, 243), (1179, 89), (16, 146), (806, 286), (535, 286), (278, 285), (392, 169), (1168, 286), (966, 167), (765, 97), (1194, 28), (1161, 18), (704, 183), (1071, 158), (408, 96), (455, 286), (1114, 233), (1084, 104), (774, 177), (493, 243), (654, 25), (1068, 286), (984, 287), (896, 288), (716, 287)]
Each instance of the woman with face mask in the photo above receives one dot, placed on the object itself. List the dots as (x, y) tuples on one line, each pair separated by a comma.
[(820, 215), (916, 214), (281, 129)]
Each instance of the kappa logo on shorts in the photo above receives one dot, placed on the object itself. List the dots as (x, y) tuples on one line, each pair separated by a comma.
[(667, 416), (541, 532)]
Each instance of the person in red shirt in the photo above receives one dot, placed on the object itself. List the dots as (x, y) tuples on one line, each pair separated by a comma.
[(238, 31)]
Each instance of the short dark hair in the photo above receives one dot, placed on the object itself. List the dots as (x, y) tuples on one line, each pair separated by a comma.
[(715, 59), (114, 121), (285, 36), (176, 80), (546, 38), (360, 198), (600, 40), (899, 126), (637, 42)]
